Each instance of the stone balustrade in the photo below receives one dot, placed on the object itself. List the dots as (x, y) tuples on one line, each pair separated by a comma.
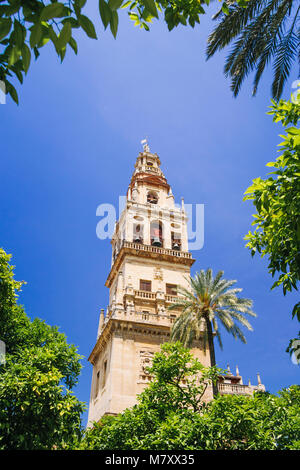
[(234, 389), (157, 319), (171, 298), (142, 294), (157, 250)]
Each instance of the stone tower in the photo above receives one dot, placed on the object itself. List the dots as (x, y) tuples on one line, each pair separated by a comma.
[(150, 258)]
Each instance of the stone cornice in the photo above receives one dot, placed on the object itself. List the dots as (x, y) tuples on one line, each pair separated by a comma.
[(150, 252), (155, 180), (116, 326), (175, 213)]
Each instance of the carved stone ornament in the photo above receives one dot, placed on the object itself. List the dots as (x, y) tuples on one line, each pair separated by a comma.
[(158, 274), (145, 361)]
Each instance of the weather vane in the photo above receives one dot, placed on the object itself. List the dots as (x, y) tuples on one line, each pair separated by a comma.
[(145, 145)]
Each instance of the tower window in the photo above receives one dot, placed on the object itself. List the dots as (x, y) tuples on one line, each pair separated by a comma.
[(156, 237), (171, 289), (145, 285), (104, 373), (152, 197), (97, 383)]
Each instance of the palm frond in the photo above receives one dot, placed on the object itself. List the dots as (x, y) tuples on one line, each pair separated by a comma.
[(285, 55), (211, 299), (238, 334), (217, 279), (219, 339), (269, 41), (258, 33), (241, 319), (232, 24)]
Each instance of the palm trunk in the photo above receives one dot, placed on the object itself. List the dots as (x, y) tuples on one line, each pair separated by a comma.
[(211, 346)]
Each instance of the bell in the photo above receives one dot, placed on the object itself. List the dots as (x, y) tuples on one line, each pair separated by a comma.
[(176, 246), (156, 241), (138, 239)]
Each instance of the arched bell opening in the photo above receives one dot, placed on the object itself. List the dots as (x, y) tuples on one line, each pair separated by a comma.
[(156, 233), (176, 241), (138, 233)]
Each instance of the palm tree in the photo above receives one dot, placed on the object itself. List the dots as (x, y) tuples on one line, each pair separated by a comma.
[(210, 301), (265, 30)]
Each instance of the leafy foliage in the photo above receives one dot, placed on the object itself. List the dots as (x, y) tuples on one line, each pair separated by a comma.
[(265, 30), (179, 377), (165, 418), (210, 300), (277, 202), (28, 25), (37, 408)]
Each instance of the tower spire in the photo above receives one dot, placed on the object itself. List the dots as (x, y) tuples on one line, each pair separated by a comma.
[(258, 378), (145, 144)]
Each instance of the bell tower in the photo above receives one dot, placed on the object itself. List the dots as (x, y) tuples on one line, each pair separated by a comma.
[(150, 258)]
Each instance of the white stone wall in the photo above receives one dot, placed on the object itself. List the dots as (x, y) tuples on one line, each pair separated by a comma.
[(135, 269)]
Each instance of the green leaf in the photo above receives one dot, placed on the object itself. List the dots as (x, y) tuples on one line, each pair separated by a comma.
[(53, 37), (54, 10), (19, 33), (114, 4), (73, 44), (150, 5), (126, 4), (296, 311), (18, 73), (62, 53), (73, 22), (293, 130), (133, 16), (5, 26), (114, 23), (26, 56), (14, 56), (12, 91), (64, 36), (87, 26), (105, 13), (36, 34)]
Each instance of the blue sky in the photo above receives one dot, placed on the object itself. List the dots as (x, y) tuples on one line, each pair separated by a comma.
[(71, 145)]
